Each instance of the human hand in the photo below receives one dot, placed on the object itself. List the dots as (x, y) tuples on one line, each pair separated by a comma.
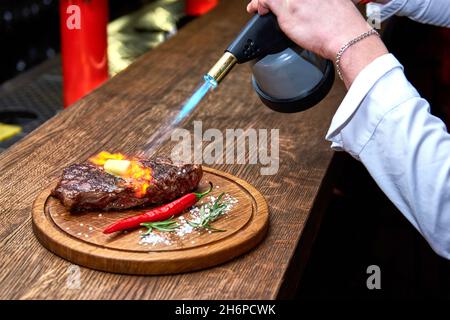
[(324, 27), (319, 26)]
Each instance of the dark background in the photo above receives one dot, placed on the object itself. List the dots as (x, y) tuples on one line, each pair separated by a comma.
[(362, 227), (29, 31)]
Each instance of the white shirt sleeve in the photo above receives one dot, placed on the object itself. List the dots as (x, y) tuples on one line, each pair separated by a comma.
[(435, 12), (385, 124)]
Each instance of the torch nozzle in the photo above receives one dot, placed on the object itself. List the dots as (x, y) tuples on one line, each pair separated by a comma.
[(221, 68)]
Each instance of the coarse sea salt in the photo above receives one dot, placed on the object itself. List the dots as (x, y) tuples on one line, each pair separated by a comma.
[(153, 239), (184, 227)]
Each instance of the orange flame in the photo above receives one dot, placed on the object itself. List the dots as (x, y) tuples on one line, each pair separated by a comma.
[(137, 175), (103, 156)]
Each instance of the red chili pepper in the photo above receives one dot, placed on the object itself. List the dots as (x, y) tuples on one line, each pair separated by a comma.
[(161, 213)]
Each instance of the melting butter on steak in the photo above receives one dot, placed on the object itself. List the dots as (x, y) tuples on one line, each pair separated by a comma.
[(86, 186)]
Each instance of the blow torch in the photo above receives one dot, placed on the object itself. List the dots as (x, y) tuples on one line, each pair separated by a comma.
[(286, 77)]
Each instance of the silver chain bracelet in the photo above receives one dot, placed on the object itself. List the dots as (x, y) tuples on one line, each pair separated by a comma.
[(348, 45)]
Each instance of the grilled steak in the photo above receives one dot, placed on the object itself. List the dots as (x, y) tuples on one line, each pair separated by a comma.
[(87, 186)]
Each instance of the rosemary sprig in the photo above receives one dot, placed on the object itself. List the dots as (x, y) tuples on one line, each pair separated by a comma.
[(209, 213), (168, 225)]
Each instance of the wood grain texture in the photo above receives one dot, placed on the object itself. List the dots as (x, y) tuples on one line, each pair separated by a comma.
[(120, 116), (78, 237)]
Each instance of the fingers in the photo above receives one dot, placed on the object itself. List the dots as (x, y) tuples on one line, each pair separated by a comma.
[(263, 8), (252, 6), (260, 6)]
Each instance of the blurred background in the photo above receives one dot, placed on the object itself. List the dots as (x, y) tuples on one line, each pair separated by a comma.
[(113, 34)]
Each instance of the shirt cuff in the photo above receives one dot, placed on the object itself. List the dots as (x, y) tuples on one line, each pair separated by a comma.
[(366, 103), (408, 8)]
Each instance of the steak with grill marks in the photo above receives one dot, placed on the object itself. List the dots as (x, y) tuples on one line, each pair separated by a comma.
[(86, 186)]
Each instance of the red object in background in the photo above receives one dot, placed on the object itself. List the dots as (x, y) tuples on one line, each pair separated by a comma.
[(83, 46), (199, 7)]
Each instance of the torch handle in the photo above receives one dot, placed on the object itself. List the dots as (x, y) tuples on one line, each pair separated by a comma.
[(261, 36)]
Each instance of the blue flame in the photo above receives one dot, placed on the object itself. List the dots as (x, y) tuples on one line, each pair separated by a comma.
[(163, 132), (195, 99)]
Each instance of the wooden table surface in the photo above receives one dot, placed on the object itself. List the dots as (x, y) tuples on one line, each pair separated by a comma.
[(120, 116)]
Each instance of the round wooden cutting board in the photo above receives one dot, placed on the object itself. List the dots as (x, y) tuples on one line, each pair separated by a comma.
[(78, 237)]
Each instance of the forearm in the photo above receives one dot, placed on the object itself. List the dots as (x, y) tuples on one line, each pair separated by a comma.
[(386, 124), (360, 55), (409, 158)]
